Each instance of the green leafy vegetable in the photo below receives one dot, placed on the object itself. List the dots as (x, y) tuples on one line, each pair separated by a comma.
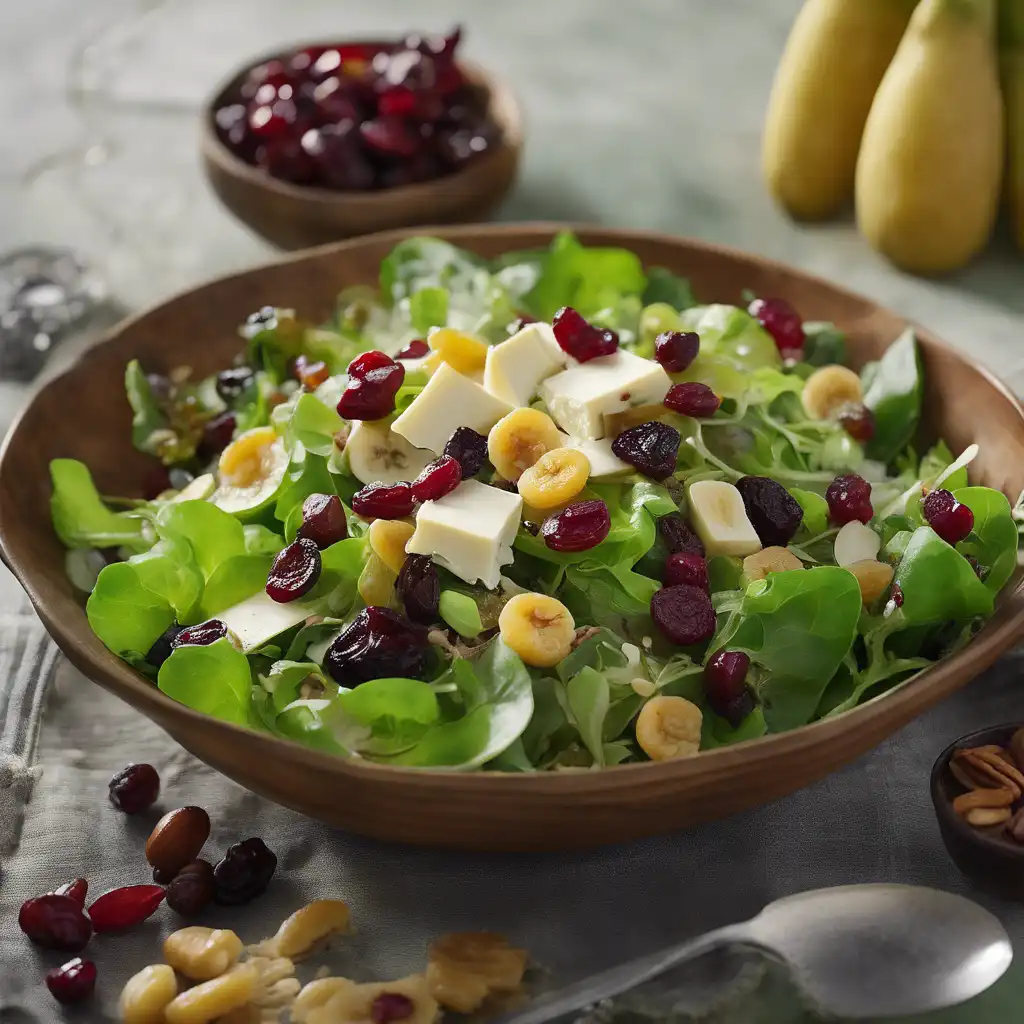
[(824, 344), (461, 613), (213, 534), (214, 679), (169, 570), (125, 614), (80, 519), (428, 308), (235, 579), (671, 289), (589, 699), (314, 425), (815, 508), (993, 541), (732, 334), (893, 393)]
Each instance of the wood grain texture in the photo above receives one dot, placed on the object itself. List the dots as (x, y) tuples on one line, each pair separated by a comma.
[(297, 216), (82, 414)]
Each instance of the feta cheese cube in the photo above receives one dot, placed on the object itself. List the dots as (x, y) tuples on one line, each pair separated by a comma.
[(515, 368), (581, 397), (469, 531), (449, 400)]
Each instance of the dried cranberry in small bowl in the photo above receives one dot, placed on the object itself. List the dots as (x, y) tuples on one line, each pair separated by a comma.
[(416, 349), (725, 685), (72, 982), (244, 872), (650, 448), (781, 321), (323, 520), (469, 449), (201, 635), (580, 339), (773, 512), (295, 571), (384, 501), (338, 158), (677, 535), (441, 477), (55, 922), (692, 399), (683, 614), (284, 157), (949, 518), (849, 498), (419, 589), (379, 643), (675, 350), (686, 567), (577, 527), (134, 788), (125, 907)]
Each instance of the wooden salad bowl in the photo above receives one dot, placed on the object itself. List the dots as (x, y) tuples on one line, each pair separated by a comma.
[(83, 414)]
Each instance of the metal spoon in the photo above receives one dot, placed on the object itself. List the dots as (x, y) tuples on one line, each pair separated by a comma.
[(857, 950)]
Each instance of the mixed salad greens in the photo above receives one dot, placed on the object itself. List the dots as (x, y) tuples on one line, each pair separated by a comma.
[(285, 577)]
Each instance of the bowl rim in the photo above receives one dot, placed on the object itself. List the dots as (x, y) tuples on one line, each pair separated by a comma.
[(948, 818), (95, 661), (504, 104)]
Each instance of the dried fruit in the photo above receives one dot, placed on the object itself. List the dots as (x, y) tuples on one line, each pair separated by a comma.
[(773, 512), (295, 571), (388, 538), (191, 889), (650, 448), (950, 519), (125, 907), (858, 421), (323, 520), (311, 374), (371, 396), (383, 501), (419, 589), (244, 872), (459, 350), (683, 614), (519, 439), (248, 459), (232, 383), (439, 478), (692, 399), (781, 321), (76, 890), (725, 685), (161, 649), (675, 350), (147, 994), (217, 434), (580, 339), (368, 361), (539, 628), (469, 449), (202, 953), (555, 478), (134, 788), (341, 1001), (307, 928), (416, 349), (379, 643), (56, 922), (686, 567), (391, 1006), (849, 498), (872, 577), (578, 527), (200, 635), (829, 390), (677, 535), (177, 838), (669, 727), (466, 967), (768, 560), (72, 982), (215, 998)]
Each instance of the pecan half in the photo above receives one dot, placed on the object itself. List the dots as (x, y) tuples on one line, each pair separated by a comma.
[(982, 798), (986, 817)]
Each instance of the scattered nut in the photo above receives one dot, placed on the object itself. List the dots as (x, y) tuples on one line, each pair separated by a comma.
[(1017, 748), (213, 999), (982, 798), (202, 953), (985, 817), (147, 994), (872, 577), (465, 968), (340, 1001), (177, 839), (304, 930), (989, 764)]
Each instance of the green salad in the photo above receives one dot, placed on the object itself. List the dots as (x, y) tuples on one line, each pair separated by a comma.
[(541, 512)]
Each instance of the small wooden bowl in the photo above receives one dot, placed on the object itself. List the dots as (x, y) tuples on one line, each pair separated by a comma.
[(986, 856), (82, 415), (300, 216)]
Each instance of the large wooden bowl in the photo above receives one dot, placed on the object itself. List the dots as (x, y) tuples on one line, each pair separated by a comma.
[(83, 414)]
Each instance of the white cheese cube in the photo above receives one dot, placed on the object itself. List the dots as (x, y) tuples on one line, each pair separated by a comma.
[(720, 519), (259, 618), (469, 531), (603, 461), (515, 368), (449, 400), (580, 397)]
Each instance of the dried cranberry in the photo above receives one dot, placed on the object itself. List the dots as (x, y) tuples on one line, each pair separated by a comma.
[(858, 421), (56, 922), (217, 434), (244, 872), (897, 595), (334, 101), (379, 643), (675, 350), (649, 447), (397, 101), (849, 498), (419, 589), (125, 907), (391, 1006), (302, 61), (390, 136), (692, 399), (310, 373), (135, 788), (162, 647), (577, 527), (76, 890), (285, 158), (773, 512), (232, 383), (416, 349), (441, 477), (232, 124), (191, 889), (72, 982), (950, 519), (532, 528), (683, 614), (469, 449), (272, 120), (581, 339), (295, 571), (338, 158), (323, 520), (677, 536), (372, 395), (781, 321), (383, 501), (686, 567), (201, 635), (725, 685)]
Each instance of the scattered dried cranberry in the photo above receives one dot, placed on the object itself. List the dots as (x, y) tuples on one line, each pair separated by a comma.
[(470, 450), (649, 447), (295, 571), (125, 907), (135, 788), (897, 595), (217, 434), (232, 383), (72, 982), (781, 321), (162, 647), (76, 890), (725, 685), (686, 567), (951, 520), (577, 527), (323, 520), (383, 501), (372, 396), (56, 922), (683, 614), (858, 421), (773, 512), (441, 477), (244, 872), (692, 399), (378, 644), (677, 536), (849, 498), (391, 1006), (201, 635), (581, 339), (416, 349), (191, 889), (368, 361), (311, 374), (419, 589), (675, 350)]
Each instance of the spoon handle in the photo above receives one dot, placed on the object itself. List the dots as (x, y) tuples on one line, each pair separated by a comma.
[(619, 979)]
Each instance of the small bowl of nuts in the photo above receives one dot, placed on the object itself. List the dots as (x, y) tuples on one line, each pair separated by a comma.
[(977, 788)]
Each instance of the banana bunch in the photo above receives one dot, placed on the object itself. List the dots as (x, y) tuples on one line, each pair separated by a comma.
[(898, 105)]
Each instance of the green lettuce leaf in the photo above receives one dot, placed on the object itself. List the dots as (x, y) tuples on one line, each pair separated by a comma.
[(993, 541), (124, 613), (214, 679), (893, 389), (81, 520)]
